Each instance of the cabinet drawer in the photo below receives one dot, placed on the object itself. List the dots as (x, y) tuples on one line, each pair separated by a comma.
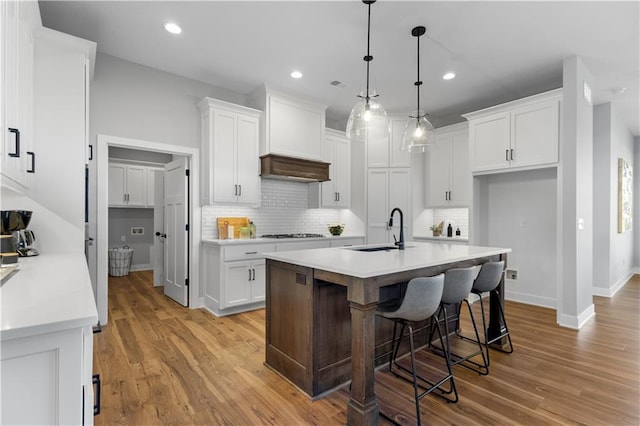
[(303, 245), (247, 251)]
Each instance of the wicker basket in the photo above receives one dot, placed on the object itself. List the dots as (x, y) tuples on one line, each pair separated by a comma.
[(120, 261)]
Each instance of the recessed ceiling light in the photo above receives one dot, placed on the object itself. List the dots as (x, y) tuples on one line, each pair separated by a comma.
[(173, 28), (448, 76), (296, 74)]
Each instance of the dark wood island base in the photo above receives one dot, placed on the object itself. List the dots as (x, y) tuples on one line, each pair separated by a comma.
[(316, 319)]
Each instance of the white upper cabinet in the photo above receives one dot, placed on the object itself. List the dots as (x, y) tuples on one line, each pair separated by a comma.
[(387, 152), (229, 151), (131, 185), (387, 188), (448, 174), (335, 192), (522, 134), (292, 126), (19, 20)]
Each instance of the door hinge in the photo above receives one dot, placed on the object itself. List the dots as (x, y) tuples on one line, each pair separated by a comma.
[(187, 172), (186, 282), (186, 227)]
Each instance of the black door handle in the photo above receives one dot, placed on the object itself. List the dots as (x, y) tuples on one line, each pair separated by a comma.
[(158, 234), (17, 146), (90, 152), (33, 162), (96, 382)]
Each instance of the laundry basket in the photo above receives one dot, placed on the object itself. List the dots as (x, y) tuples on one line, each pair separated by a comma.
[(120, 261)]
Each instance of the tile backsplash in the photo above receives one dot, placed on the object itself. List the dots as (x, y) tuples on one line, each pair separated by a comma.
[(459, 218), (283, 209)]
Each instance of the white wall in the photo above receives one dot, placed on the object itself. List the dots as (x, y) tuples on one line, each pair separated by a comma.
[(636, 204), (121, 220), (518, 210), (575, 198), (613, 251), (602, 208)]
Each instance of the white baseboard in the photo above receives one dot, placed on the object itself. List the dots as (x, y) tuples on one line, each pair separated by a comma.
[(576, 322), (611, 291), (530, 299), (141, 267), (234, 310)]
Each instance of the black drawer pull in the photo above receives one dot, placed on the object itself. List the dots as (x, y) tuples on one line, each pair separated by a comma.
[(17, 146), (250, 252)]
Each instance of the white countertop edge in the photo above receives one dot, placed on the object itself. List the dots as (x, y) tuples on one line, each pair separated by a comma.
[(275, 240), (48, 293), (315, 260), (53, 327)]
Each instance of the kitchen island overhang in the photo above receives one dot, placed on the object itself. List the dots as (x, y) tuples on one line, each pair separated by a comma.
[(320, 309)]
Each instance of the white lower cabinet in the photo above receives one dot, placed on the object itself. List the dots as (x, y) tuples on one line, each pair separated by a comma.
[(46, 379), (246, 283), (235, 274)]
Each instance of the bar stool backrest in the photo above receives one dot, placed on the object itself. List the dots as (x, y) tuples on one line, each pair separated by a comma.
[(457, 284), (421, 299), (489, 276)]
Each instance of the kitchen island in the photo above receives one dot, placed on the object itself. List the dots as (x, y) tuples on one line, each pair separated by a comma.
[(321, 329)]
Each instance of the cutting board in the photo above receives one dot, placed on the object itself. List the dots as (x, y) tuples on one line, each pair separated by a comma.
[(236, 222)]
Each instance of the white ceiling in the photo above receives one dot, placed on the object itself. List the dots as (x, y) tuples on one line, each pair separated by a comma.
[(500, 51)]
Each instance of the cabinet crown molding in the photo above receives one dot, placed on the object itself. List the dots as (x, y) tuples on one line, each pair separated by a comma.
[(544, 96)]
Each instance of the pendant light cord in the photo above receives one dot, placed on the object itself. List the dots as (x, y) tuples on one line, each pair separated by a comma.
[(418, 83), (368, 58)]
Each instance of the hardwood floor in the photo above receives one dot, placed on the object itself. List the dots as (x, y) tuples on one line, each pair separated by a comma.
[(161, 363)]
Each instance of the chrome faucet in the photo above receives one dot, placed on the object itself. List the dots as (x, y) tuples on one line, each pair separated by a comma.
[(400, 243)]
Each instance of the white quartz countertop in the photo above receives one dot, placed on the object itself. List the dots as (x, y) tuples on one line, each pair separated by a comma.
[(275, 240), (48, 293), (348, 261)]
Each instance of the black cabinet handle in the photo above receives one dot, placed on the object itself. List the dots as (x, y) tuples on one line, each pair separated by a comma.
[(511, 154), (506, 154), (17, 146), (96, 382), (33, 162), (90, 152), (239, 190)]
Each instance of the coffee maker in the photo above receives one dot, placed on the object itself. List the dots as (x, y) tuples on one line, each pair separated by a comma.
[(14, 223)]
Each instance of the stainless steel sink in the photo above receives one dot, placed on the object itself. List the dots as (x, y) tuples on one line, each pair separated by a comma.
[(376, 248), (382, 248)]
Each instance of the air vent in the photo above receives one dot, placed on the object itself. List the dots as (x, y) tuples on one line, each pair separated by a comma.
[(337, 83)]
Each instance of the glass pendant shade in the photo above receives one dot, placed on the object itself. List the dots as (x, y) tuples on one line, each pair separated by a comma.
[(419, 134), (367, 120)]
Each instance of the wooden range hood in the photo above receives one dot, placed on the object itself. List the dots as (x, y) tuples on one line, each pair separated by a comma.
[(288, 168)]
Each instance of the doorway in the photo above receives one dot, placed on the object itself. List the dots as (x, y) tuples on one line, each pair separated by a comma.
[(104, 142)]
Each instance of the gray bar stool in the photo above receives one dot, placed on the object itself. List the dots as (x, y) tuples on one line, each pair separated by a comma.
[(458, 283), (419, 303), (487, 282)]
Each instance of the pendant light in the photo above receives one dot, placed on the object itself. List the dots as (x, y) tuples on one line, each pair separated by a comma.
[(419, 134), (368, 118)]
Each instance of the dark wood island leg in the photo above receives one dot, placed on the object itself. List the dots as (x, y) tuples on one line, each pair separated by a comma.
[(363, 405)]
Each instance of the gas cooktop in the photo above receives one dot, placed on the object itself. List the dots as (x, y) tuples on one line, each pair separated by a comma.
[(292, 236)]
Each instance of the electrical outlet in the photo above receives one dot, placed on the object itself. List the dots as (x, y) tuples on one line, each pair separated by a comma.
[(137, 231), (512, 274)]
